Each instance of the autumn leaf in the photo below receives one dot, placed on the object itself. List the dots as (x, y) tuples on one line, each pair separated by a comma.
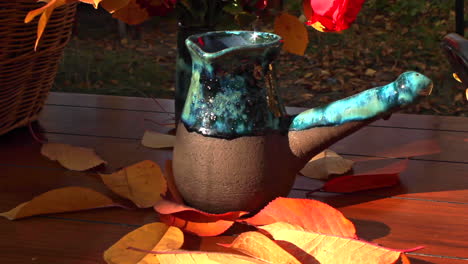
[(331, 249), (95, 3), (325, 164), (293, 32), (143, 183), (215, 244), (112, 5), (195, 221), (261, 247), (131, 14), (379, 178), (172, 191), (45, 12), (68, 199), (310, 214), (196, 257), (71, 157), (157, 140), (150, 237)]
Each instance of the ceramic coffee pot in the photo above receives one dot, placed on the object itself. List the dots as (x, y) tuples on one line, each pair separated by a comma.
[(236, 147)]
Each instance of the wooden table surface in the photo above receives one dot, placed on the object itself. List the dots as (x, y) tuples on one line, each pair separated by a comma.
[(429, 208)]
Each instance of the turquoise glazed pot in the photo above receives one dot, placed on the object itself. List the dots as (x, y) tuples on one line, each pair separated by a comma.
[(184, 65), (236, 147)]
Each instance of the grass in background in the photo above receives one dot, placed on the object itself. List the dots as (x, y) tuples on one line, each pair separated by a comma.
[(388, 38)]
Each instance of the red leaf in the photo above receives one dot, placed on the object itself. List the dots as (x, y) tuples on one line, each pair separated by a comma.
[(378, 178), (195, 221), (309, 214)]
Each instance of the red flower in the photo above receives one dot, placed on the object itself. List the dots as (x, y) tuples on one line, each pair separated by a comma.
[(331, 15)]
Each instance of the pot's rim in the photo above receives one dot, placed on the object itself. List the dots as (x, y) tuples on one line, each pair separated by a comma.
[(213, 44)]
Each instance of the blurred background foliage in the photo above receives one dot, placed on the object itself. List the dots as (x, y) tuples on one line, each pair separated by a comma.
[(388, 38)]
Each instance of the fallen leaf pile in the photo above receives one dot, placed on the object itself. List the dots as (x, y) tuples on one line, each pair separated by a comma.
[(287, 230)]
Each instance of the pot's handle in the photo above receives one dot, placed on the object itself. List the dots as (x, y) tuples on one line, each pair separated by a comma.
[(367, 105), (456, 49)]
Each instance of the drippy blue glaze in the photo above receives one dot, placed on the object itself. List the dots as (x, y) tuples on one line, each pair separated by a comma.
[(368, 104), (232, 91)]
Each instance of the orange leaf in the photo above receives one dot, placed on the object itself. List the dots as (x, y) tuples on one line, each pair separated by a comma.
[(197, 257), (150, 237), (173, 194), (45, 12), (293, 32), (261, 247), (131, 14), (331, 249), (195, 221), (143, 183), (214, 244), (61, 200), (71, 157), (95, 3), (113, 5), (310, 214), (379, 178)]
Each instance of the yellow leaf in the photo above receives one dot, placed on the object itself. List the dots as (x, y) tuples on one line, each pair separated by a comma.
[(95, 3), (45, 12), (66, 199), (325, 164), (113, 5), (261, 247), (327, 249), (150, 237), (157, 140), (293, 32), (196, 257), (143, 183), (455, 76), (370, 72), (71, 157), (318, 26), (131, 14)]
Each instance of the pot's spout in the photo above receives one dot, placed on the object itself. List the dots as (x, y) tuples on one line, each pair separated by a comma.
[(316, 129)]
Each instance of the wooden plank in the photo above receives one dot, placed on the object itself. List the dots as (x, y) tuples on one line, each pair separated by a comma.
[(101, 122), (20, 149), (377, 141), (433, 181), (42, 240), (110, 102), (370, 141), (421, 180), (400, 223), (147, 104)]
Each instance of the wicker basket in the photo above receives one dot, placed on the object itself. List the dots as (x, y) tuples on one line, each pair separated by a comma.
[(26, 76)]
